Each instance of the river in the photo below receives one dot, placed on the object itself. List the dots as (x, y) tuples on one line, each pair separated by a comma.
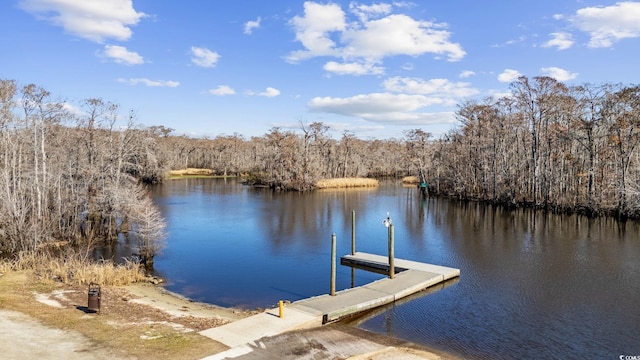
[(532, 285)]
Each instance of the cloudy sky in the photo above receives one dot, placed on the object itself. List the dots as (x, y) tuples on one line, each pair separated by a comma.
[(209, 68)]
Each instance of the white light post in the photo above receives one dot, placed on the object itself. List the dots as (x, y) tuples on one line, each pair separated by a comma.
[(387, 222)]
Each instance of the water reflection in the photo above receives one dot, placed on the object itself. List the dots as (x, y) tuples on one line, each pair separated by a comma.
[(533, 284), (544, 282), (385, 310)]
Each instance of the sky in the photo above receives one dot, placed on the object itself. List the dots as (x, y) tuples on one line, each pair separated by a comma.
[(371, 69)]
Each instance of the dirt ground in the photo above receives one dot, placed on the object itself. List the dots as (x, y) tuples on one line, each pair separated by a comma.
[(50, 321)]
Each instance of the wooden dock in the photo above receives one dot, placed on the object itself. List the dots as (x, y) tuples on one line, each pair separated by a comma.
[(380, 264), (411, 277)]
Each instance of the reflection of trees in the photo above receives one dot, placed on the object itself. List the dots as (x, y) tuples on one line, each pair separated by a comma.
[(290, 215), (535, 258), (415, 213)]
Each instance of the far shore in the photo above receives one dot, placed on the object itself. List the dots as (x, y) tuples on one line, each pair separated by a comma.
[(195, 173), (335, 183)]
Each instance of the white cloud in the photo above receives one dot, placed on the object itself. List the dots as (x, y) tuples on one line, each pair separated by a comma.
[(353, 68), (384, 107), (365, 12), (268, 92), (72, 109), (442, 88), (250, 25), (370, 103), (121, 55), (313, 29), (92, 20), (400, 35), (466, 73), (499, 94), (407, 66), (560, 40), (518, 40), (509, 75), (323, 30), (222, 90), (204, 57), (419, 119), (150, 83), (607, 25), (558, 73)]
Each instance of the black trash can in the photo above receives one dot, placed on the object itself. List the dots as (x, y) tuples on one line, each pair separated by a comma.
[(93, 303)]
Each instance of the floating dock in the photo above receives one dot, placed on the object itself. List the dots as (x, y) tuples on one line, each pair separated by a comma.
[(411, 277)]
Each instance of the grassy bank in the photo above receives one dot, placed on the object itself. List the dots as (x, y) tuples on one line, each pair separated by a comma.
[(346, 183), (127, 329), (74, 269), (54, 292), (410, 180), (193, 173)]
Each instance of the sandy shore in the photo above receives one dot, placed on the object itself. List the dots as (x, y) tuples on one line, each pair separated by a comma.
[(179, 306), (145, 321), (328, 341)]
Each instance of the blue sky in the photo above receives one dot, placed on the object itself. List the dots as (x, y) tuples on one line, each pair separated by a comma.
[(210, 68)]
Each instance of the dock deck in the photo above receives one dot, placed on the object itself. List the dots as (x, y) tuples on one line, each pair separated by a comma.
[(411, 277)]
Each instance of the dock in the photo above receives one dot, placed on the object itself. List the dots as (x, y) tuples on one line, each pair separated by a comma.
[(411, 277)]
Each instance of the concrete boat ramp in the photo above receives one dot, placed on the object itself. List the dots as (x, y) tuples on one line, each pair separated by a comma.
[(411, 277)]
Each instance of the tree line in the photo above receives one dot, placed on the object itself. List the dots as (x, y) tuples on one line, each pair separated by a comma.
[(73, 176), (547, 145), (78, 175)]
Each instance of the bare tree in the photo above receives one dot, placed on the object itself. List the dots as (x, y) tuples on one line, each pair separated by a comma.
[(147, 224), (622, 111)]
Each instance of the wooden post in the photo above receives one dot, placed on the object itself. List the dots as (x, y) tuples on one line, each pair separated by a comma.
[(392, 269), (353, 277), (332, 291), (353, 232)]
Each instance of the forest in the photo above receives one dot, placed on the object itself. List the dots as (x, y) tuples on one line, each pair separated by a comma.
[(78, 175)]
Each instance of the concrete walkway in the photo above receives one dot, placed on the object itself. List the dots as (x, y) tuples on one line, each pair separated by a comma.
[(412, 277), (267, 323)]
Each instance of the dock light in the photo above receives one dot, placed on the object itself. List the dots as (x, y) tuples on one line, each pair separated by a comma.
[(387, 221)]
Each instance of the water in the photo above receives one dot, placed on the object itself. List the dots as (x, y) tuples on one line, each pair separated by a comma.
[(532, 285)]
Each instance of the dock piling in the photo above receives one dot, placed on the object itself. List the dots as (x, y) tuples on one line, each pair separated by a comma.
[(392, 269), (353, 232), (332, 290), (389, 224)]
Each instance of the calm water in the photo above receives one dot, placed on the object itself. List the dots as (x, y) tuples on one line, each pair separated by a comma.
[(532, 285)]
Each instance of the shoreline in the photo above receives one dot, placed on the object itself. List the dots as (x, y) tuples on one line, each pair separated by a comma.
[(146, 321), (177, 305), (394, 347)]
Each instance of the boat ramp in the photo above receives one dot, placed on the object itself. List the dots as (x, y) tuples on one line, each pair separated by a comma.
[(410, 277)]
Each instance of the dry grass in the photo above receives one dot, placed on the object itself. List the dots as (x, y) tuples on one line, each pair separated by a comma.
[(31, 281), (74, 269), (128, 329), (346, 183), (191, 172), (410, 180)]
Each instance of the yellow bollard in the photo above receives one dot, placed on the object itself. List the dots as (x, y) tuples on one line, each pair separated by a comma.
[(281, 306)]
